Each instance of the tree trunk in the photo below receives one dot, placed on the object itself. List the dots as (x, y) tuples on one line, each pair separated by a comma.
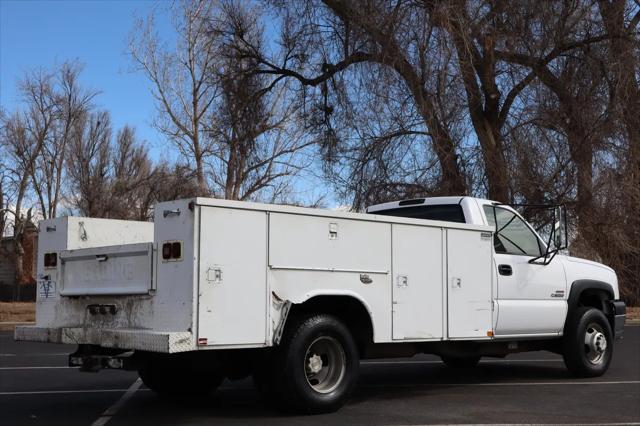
[(581, 150), (452, 180), (197, 154), (624, 63), (495, 163)]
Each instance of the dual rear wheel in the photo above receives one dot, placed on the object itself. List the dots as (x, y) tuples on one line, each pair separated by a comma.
[(315, 368)]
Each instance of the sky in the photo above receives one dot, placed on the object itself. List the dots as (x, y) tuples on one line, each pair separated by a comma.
[(38, 34)]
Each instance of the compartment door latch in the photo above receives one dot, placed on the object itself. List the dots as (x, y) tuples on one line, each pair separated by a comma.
[(214, 275)]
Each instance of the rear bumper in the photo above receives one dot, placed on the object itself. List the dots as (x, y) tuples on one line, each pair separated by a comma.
[(128, 339), (619, 311)]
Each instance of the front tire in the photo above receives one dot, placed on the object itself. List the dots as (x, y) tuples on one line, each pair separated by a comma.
[(587, 343), (316, 365)]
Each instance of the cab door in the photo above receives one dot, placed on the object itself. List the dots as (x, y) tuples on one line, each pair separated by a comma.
[(531, 298)]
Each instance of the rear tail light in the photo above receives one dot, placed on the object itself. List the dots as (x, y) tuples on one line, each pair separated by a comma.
[(50, 260), (166, 251), (172, 250), (176, 250)]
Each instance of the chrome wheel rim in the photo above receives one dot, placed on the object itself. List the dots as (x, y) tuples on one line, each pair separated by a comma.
[(325, 364), (595, 344)]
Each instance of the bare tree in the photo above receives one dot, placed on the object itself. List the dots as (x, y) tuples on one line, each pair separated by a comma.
[(256, 142), (340, 36), (88, 164), (182, 88), (575, 76), (71, 103), (131, 175), (172, 183), (621, 21), (24, 135), (114, 177), (217, 111)]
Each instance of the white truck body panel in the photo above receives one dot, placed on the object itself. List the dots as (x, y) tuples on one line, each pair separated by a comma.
[(306, 260), (241, 261), (75, 233), (232, 307), (418, 274), (242, 264), (469, 284), (158, 318)]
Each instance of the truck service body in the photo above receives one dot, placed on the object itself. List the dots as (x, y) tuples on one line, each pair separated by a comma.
[(296, 296)]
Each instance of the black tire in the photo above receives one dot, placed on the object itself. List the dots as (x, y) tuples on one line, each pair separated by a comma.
[(461, 362), (316, 366), (587, 342), (174, 376)]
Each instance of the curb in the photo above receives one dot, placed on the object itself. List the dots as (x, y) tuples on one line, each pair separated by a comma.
[(10, 326)]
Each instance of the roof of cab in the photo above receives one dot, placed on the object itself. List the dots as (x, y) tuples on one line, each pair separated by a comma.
[(427, 201)]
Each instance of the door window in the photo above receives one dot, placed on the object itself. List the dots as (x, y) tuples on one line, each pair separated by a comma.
[(512, 235)]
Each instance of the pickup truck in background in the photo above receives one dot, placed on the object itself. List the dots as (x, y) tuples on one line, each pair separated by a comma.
[(296, 297)]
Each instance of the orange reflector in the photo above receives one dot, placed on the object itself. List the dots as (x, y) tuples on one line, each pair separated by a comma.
[(202, 340), (490, 333)]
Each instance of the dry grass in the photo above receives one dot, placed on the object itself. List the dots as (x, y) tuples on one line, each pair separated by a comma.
[(17, 312)]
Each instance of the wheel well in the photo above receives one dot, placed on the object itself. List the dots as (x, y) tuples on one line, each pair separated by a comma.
[(348, 309), (599, 299), (594, 298)]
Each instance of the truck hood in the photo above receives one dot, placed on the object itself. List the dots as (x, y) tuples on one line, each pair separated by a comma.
[(588, 262), (583, 269)]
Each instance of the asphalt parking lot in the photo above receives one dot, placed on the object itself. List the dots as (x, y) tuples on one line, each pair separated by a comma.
[(36, 387)]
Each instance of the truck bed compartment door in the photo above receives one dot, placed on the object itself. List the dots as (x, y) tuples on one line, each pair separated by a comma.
[(469, 283), (417, 282), (232, 302)]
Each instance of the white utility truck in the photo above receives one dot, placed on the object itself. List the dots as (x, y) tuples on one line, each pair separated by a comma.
[(296, 297)]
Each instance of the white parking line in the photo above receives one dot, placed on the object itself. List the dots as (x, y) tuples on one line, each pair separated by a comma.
[(34, 368), (536, 424), (487, 361), (63, 392), (401, 385), (395, 385), (36, 354), (497, 361), (113, 410)]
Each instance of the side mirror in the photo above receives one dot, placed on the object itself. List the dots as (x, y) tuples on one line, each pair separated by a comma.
[(560, 227)]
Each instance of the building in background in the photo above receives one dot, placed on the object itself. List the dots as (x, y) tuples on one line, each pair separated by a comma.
[(26, 290)]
